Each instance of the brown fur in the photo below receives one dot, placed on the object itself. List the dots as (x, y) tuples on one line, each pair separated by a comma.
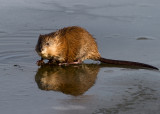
[(74, 44), (68, 45)]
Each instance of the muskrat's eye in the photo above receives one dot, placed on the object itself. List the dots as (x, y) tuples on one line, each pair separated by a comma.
[(47, 44)]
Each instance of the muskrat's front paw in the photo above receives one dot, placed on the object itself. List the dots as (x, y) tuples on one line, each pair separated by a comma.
[(40, 62)]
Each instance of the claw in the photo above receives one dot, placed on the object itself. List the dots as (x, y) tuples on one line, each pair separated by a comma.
[(71, 63), (60, 64)]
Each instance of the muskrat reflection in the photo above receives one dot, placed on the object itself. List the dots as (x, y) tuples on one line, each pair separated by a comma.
[(73, 80)]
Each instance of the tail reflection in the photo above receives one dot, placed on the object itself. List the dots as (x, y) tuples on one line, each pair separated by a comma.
[(73, 80)]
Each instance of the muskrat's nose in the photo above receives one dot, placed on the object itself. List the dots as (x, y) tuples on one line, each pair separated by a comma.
[(41, 49)]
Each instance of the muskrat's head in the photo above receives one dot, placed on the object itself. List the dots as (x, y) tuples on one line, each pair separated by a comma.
[(46, 46)]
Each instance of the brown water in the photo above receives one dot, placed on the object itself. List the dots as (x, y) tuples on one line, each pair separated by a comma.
[(126, 30)]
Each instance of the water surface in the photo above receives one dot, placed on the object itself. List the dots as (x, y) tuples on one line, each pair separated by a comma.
[(127, 30)]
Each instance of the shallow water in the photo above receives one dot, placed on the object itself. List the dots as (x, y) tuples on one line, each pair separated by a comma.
[(127, 30)]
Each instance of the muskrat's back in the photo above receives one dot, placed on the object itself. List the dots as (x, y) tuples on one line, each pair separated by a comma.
[(69, 44)]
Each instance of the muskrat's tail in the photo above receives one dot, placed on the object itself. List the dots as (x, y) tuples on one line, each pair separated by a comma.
[(127, 63)]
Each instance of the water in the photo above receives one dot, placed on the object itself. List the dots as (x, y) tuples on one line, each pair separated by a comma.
[(127, 30)]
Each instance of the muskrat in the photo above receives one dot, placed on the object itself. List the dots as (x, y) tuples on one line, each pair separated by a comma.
[(72, 45)]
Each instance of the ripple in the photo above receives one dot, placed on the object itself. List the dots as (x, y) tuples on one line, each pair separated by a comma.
[(69, 107), (16, 56)]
